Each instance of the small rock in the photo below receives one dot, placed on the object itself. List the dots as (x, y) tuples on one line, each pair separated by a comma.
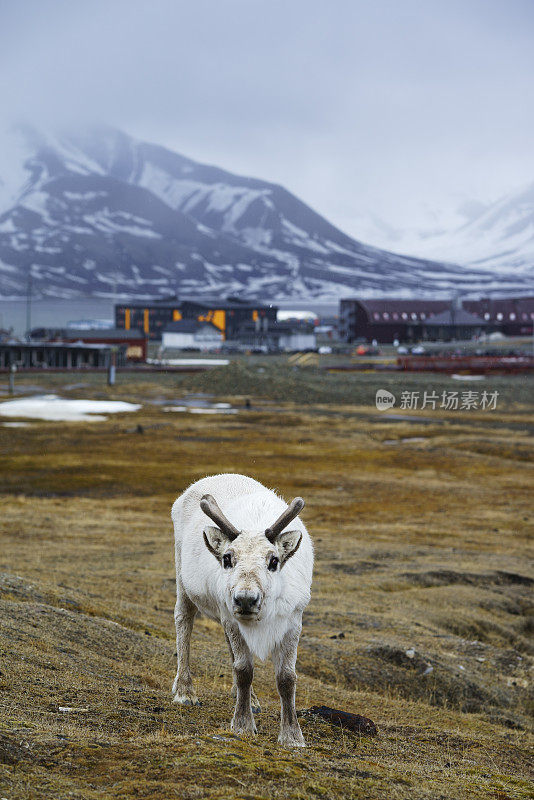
[(410, 652), (428, 670), (73, 710), (344, 719)]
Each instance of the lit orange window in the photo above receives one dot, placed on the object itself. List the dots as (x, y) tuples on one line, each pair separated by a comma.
[(127, 319), (217, 317)]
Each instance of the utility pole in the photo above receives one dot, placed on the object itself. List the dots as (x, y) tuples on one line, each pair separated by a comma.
[(112, 366), (29, 305), (12, 370)]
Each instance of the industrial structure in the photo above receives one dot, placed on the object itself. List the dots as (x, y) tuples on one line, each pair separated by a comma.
[(207, 323), (278, 337), (152, 317), (55, 355)]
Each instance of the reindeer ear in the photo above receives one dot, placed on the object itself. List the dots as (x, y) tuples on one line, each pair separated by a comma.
[(288, 544), (215, 540)]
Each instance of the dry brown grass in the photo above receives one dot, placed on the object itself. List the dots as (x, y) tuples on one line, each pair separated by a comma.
[(420, 545)]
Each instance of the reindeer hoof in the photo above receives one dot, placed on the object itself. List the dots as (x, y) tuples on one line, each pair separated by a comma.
[(244, 726), (186, 701), (291, 739), (186, 698)]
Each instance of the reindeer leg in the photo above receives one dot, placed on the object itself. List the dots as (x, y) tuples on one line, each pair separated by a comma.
[(243, 668), (284, 659), (184, 615), (256, 708)]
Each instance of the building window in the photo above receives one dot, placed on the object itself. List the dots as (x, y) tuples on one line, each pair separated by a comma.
[(512, 315), (385, 315), (413, 315), (486, 315), (404, 315), (499, 315)]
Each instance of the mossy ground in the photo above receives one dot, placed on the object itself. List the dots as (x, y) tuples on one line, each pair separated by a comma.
[(422, 543)]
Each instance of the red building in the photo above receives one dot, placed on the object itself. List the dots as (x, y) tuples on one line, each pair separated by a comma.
[(390, 319), (131, 344)]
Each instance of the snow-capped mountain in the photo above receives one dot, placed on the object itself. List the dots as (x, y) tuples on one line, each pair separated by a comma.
[(500, 238), (101, 213)]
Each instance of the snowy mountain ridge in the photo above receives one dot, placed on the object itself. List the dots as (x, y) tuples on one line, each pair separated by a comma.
[(100, 213)]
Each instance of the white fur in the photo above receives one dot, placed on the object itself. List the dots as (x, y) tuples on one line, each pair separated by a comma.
[(251, 507)]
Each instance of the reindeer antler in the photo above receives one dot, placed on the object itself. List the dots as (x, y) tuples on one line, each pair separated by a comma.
[(209, 506), (294, 508)]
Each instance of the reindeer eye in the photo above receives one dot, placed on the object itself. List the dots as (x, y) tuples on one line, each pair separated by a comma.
[(227, 561), (273, 563)]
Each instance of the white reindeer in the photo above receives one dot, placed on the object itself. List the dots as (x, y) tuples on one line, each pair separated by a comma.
[(251, 575)]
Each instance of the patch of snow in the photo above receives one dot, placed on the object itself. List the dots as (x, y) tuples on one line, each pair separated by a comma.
[(109, 222), (7, 226), (189, 362), (84, 195), (468, 377), (198, 410), (58, 409)]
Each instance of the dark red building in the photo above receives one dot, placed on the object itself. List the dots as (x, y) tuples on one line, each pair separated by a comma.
[(513, 316), (389, 319)]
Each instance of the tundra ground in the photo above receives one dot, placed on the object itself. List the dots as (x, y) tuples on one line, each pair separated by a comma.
[(421, 615)]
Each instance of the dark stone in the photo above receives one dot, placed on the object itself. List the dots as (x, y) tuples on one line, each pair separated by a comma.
[(343, 719)]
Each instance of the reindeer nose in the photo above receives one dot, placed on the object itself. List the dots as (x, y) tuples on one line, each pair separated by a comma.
[(246, 602)]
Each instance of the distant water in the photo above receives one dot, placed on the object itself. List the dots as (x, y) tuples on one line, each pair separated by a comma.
[(57, 313), (52, 313)]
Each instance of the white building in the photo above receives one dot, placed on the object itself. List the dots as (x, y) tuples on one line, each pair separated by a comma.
[(295, 340), (188, 334)]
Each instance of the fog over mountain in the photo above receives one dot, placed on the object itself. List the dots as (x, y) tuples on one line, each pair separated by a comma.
[(499, 236), (405, 110)]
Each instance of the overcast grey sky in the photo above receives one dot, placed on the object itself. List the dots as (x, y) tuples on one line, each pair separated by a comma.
[(389, 106)]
